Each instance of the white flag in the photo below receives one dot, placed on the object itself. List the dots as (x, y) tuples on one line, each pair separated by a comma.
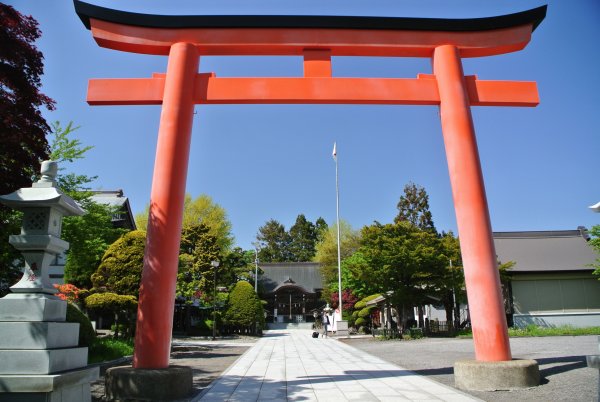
[(334, 153)]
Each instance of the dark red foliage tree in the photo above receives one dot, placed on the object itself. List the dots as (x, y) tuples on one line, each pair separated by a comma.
[(348, 298), (22, 128)]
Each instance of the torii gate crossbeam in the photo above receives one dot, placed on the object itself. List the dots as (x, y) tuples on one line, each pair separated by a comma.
[(185, 38)]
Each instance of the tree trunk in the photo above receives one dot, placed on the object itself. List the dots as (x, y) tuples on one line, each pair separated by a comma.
[(116, 334)]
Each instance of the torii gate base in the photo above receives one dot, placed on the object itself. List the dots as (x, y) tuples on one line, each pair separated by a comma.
[(185, 38)]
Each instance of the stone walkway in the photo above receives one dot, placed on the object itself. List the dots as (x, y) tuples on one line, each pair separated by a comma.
[(293, 366)]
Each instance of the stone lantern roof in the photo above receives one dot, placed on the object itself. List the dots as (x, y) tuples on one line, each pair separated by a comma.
[(43, 193)]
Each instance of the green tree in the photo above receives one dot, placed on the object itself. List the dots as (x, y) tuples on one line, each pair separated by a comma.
[(352, 268), (237, 265), (244, 308), (303, 239), (274, 242), (327, 254), (66, 149), (595, 243), (200, 211), (90, 236), (120, 270), (195, 277), (413, 207), (321, 228), (451, 282), (403, 259)]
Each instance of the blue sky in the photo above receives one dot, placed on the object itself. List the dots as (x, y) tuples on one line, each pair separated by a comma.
[(274, 161)]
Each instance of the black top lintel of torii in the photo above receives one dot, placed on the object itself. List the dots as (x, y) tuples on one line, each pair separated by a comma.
[(87, 11)]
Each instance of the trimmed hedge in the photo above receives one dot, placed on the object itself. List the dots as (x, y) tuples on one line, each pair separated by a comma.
[(87, 335), (120, 270), (122, 306), (362, 303), (244, 308), (366, 312), (110, 302)]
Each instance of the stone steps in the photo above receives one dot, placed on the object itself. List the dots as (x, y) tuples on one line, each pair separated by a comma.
[(290, 325)]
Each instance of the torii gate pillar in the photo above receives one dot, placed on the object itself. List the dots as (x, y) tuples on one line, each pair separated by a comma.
[(486, 305), (317, 39), (155, 320)]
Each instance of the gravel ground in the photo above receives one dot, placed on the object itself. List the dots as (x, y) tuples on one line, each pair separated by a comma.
[(208, 359), (562, 361)]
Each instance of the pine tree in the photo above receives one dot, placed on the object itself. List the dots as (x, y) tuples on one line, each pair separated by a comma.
[(413, 207), (303, 239), (274, 242)]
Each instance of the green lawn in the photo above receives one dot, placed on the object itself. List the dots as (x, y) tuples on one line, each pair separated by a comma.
[(106, 349), (534, 330)]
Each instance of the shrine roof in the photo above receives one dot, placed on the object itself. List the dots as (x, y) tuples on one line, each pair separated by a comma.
[(306, 275), (87, 11), (546, 251)]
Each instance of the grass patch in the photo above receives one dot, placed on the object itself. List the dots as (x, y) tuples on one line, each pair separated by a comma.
[(106, 349), (534, 330)]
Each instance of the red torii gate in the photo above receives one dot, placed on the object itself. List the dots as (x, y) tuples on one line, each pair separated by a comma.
[(317, 38)]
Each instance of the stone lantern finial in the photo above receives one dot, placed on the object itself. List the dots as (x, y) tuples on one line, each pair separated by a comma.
[(49, 170)]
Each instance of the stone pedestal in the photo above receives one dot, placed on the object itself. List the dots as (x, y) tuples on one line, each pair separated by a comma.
[(342, 329), (39, 353), (476, 375), (40, 359), (126, 383)]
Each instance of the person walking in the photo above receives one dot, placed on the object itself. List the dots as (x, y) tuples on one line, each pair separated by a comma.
[(325, 322)]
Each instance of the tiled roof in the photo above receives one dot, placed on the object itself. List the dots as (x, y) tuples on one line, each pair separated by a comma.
[(304, 274), (539, 251)]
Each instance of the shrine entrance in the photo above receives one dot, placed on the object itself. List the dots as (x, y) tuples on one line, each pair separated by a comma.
[(291, 303), (184, 39)]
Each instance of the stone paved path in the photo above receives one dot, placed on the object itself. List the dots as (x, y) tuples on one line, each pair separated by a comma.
[(293, 366)]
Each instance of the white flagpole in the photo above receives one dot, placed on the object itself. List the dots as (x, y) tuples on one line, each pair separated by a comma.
[(337, 212)]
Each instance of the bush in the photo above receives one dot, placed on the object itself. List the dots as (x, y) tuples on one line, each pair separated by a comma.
[(362, 303), (87, 335), (366, 312), (122, 306), (244, 308), (110, 302), (360, 322), (121, 268)]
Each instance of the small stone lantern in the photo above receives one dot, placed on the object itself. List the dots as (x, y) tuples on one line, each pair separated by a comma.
[(39, 351)]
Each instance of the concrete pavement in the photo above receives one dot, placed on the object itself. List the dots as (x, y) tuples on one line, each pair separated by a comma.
[(293, 366)]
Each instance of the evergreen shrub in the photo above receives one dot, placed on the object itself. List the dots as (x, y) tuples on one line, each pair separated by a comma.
[(87, 335), (244, 308), (121, 268)]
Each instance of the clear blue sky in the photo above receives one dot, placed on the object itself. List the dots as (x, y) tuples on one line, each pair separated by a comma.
[(261, 161)]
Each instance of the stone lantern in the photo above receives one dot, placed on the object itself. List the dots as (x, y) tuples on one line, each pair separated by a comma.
[(39, 351), (43, 206)]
